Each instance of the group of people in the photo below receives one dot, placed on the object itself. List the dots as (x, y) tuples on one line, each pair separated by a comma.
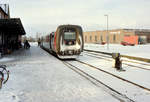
[(26, 44), (12, 45), (15, 45)]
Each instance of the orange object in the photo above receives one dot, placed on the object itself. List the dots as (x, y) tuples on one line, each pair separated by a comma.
[(131, 39)]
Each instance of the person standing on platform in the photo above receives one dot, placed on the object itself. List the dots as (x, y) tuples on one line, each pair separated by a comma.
[(26, 44), (39, 42)]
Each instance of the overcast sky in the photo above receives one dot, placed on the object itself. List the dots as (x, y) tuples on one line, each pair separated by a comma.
[(43, 16)]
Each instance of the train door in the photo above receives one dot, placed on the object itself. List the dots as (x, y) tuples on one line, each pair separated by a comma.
[(52, 41)]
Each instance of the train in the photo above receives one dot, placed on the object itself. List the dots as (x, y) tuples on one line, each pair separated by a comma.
[(66, 43)]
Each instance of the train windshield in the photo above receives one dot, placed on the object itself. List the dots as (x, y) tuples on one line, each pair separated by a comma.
[(69, 35)]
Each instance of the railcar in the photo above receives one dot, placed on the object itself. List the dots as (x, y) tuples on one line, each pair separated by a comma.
[(67, 42)]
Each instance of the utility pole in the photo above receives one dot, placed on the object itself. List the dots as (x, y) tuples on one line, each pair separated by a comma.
[(107, 38)]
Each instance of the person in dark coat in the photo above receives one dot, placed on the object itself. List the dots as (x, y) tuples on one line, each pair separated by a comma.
[(26, 44), (39, 42), (118, 63)]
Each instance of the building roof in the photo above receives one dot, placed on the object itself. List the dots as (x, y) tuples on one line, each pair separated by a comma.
[(12, 26), (138, 30)]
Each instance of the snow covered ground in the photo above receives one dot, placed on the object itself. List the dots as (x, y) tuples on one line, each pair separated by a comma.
[(137, 50), (36, 76), (138, 76), (133, 74)]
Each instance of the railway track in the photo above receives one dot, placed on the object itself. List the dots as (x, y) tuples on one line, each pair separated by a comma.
[(140, 86), (109, 55), (96, 82), (125, 56), (94, 53), (108, 58), (116, 94)]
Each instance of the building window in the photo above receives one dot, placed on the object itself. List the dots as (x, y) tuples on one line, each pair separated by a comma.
[(101, 37), (0, 15), (114, 38), (90, 38), (85, 38), (95, 38)]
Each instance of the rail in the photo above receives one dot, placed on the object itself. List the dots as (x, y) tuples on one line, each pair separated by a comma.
[(121, 97), (125, 56), (140, 86)]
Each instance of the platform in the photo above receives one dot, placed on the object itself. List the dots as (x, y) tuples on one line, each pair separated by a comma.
[(36, 76)]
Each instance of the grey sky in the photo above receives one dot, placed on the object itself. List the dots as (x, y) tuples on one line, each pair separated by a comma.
[(44, 16)]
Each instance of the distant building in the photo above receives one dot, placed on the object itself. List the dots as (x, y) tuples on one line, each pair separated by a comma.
[(135, 36)]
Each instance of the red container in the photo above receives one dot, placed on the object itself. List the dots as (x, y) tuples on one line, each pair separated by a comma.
[(130, 40)]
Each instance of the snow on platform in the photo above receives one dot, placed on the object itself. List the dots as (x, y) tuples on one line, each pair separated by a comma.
[(36, 76)]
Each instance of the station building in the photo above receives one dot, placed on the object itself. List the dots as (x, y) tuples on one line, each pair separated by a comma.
[(11, 31), (117, 36)]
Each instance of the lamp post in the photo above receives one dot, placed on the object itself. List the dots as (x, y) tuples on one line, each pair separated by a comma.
[(107, 38)]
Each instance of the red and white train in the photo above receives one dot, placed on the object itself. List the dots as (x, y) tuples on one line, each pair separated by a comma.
[(67, 42)]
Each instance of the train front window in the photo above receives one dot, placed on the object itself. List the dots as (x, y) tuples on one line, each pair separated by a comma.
[(69, 35)]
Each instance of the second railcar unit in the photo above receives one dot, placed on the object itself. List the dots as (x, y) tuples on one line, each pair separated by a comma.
[(66, 42)]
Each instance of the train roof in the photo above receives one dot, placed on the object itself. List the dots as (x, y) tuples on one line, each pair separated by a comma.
[(68, 25)]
